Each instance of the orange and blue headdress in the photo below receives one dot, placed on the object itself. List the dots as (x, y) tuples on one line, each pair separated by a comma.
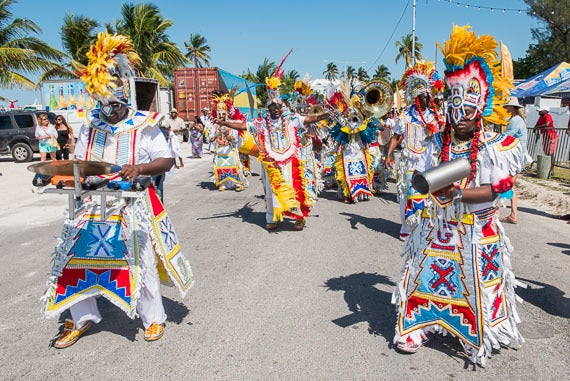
[(473, 74)]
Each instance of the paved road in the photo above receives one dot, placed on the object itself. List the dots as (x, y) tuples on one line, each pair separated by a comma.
[(310, 305)]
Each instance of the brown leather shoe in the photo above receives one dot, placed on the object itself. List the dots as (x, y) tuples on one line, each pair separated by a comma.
[(70, 335), (154, 332)]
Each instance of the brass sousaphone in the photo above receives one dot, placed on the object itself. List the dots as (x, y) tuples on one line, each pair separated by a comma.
[(377, 100)]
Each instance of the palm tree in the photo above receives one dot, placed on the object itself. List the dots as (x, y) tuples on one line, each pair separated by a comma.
[(331, 72), (22, 54), (265, 70), (350, 72), (146, 28), (405, 49), (288, 82), (362, 75), (198, 51), (382, 73), (77, 34)]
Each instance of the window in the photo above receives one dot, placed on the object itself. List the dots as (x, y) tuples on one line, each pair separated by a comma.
[(24, 120), (5, 123)]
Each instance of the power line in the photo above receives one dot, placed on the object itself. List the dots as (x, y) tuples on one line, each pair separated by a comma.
[(479, 7), (391, 35)]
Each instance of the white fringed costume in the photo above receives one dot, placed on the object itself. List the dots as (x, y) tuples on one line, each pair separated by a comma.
[(117, 257)]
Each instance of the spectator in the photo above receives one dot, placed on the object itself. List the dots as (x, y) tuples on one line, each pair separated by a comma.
[(177, 126), (197, 137), (517, 129), (545, 125), (65, 138), (47, 136)]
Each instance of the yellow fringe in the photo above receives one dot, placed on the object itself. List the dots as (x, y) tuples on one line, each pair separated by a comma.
[(370, 173), (339, 175), (285, 194), (463, 44), (305, 182)]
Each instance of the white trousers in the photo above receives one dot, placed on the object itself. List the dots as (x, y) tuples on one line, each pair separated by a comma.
[(149, 304)]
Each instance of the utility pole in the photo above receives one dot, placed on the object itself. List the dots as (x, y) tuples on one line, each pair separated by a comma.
[(414, 32)]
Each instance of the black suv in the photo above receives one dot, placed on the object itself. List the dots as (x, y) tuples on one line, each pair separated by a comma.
[(17, 133)]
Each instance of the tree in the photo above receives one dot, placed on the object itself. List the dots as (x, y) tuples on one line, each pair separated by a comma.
[(552, 38), (350, 72), (405, 49), (382, 73), (77, 35), (197, 50), (362, 74), (265, 70), (146, 28), (331, 72), (288, 82), (22, 55)]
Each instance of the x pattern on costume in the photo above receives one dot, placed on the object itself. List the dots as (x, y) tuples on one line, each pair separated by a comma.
[(99, 256), (458, 276)]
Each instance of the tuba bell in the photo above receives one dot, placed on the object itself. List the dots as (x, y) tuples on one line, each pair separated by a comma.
[(377, 100)]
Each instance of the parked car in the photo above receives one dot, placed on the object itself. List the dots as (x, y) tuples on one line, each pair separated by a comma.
[(17, 133)]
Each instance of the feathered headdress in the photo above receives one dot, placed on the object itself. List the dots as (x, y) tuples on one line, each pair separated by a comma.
[(473, 73), (112, 56), (417, 79), (222, 107), (274, 82)]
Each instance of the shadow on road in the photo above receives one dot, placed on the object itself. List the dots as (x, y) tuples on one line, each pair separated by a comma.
[(546, 297), (366, 303), (245, 213), (536, 212), (561, 245), (377, 224), (209, 185)]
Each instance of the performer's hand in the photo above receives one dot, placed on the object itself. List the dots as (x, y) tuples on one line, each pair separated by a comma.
[(449, 192), (388, 163), (128, 172)]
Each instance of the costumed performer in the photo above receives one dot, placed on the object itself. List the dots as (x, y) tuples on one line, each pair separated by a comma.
[(358, 156), (116, 254), (228, 169), (457, 277), (277, 137), (418, 123), (304, 102)]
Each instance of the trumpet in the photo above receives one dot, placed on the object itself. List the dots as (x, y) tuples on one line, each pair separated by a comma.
[(335, 114)]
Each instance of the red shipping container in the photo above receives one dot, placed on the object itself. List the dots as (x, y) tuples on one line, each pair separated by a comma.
[(193, 88)]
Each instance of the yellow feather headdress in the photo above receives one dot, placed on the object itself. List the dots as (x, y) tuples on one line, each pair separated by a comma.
[(111, 56), (473, 73)]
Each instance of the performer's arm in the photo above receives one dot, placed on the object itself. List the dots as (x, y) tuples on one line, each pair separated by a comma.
[(483, 193), (310, 119), (236, 125), (154, 168), (395, 140)]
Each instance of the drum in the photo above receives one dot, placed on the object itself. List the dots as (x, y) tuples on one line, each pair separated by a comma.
[(385, 135)]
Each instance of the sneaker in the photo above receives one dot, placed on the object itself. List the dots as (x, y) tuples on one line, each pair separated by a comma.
[(70, 335), (409, 346), (221, 188), (239, 188), (403, 236), (154, 332), (299, 224), (271, 226)]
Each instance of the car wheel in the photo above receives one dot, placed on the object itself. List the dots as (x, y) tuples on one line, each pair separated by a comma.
[(21, 152)]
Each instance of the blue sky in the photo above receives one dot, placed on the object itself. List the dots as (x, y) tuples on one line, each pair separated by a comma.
[(357, 33)]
